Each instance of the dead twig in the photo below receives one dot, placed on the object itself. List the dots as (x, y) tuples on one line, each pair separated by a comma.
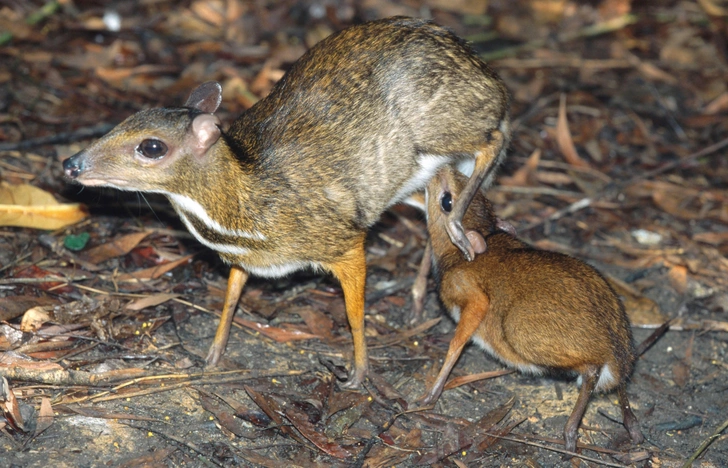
[(554, 449), (58, 138), (689, 462)]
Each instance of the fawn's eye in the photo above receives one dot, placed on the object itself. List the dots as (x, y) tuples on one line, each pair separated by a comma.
[(152, 148), (446, 202)]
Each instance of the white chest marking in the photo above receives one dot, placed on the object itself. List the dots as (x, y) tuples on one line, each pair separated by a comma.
[(428, 166), (278, 271)]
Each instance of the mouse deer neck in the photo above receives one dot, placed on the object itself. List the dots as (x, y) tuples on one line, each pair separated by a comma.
[(217, 197)]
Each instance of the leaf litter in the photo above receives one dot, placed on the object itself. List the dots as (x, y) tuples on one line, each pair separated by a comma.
[(619, 124)]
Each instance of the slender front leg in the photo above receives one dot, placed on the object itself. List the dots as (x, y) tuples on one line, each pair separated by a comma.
[(589, 381), (351, 270), (470, 319), (628, 418), (485, 160), (419, 288), (237, 279)]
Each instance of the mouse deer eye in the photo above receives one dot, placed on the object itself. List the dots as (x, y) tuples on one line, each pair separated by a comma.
[(446, 202), (152, 148)]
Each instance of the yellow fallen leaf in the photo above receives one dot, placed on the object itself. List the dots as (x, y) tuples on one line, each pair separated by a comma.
[(564, 140), (33, 319), (28, 206)]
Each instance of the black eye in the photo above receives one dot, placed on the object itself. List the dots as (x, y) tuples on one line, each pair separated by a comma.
[(152, 148), (446, 202)]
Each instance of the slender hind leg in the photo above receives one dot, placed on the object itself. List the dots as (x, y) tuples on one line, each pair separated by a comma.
[(628, 418), (419, 288), (589, 381), (485, 163)]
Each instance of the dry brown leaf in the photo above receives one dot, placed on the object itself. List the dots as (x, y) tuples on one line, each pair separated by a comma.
[(150, 301), (714, 7), (469, 7), (712, 238), (116, 248), (33, 319), (564, 139), (525, 175), (554, 178), (641, 310), (211, 12), (28, 206), (466, 379), (153, 272), (678, 276), (680, 373), (10, 406), (45, 416), (717, 105), (281, 335)]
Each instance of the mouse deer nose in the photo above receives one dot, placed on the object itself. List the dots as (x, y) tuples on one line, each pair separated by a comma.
[(74, 165)]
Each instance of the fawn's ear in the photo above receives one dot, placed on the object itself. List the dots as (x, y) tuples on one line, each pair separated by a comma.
[(504, 225), (206, 97), (477, 241)]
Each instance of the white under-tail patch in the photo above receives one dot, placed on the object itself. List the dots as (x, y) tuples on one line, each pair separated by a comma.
[(193, 207), (606, 379)]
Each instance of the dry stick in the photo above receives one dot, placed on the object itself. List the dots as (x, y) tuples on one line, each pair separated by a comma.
[(47, 279), (689, 462), (102, 396), (66, 137), (611, 191), (554, 449)]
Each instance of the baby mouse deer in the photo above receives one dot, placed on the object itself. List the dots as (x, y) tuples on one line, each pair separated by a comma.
[(360, 122), (534, 310)]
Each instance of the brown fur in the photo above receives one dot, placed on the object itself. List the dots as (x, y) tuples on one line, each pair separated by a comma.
[(309, 168), (536, 310)]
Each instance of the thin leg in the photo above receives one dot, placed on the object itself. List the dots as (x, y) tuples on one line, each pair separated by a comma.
[(237, 279), (589, 381), (419, 288), (628, 418), (484, 164), (470, 319), (351, 270)]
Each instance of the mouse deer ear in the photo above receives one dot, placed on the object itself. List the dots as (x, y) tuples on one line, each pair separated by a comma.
[(477, 241), (206, 97), (205, 132)]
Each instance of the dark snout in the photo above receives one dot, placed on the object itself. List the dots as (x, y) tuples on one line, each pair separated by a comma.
[(75, 165)]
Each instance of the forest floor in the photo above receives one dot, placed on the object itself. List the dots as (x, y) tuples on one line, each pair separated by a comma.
[(618, 157)]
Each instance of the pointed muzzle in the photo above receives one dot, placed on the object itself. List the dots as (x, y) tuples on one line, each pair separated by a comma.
[(75, 165)]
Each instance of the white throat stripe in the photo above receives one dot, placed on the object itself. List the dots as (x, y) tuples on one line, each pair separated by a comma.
[(192, 207)]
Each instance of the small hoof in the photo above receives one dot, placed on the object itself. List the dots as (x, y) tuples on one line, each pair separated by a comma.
[(213, 358), (460, 240), (356, 378), (351, 385), (636, 436)]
